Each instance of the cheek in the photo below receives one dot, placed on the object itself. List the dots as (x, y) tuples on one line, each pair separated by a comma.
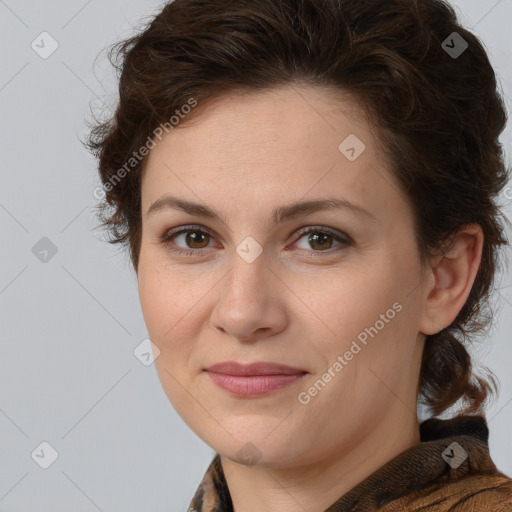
[(155, 304), (173, 305), (367, 315), (354, 299), (168, 312), (164, 299)]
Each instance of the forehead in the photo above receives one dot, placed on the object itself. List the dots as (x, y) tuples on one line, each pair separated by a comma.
[(262, 147), (291, 117)]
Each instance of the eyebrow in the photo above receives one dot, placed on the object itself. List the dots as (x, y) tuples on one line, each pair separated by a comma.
[(280, 214)]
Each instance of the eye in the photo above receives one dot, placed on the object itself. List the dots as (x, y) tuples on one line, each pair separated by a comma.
[(192, 240), (193, 237), (321, 238)]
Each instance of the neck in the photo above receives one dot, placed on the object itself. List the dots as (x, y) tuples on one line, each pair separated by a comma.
[(316, 486)]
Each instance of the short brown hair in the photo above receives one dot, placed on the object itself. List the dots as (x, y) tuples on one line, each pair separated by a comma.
[(439, 117)]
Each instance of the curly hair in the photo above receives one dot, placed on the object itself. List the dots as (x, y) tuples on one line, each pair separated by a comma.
[(438, 114)]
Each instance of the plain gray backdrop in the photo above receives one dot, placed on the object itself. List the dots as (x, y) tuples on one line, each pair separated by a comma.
[(70, 315)]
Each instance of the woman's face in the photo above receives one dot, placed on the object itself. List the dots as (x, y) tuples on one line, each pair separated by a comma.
[(334, 292)]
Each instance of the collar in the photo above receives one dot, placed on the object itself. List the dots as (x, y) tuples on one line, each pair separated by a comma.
[(449, 451)]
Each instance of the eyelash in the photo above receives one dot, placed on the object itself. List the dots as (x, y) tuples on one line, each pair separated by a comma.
[(166, 239)]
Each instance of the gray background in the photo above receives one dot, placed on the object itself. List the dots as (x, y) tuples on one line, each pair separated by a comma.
[(69, 326)]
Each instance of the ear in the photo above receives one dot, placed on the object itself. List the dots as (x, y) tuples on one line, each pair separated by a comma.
[(454, 274)]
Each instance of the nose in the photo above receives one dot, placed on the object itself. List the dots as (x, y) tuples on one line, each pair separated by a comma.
[(251, 301)]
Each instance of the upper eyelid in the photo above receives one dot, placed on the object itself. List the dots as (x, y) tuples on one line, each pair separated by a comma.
[(342, 236), (199, 227)]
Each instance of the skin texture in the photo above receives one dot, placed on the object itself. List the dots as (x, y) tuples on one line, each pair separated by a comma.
[(300, 303)]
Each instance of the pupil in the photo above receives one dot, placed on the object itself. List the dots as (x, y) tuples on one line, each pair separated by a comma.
[(193, 236), (319, 238)]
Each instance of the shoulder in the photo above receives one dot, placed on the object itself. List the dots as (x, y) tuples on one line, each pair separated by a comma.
[(451, 471), (477, 493)]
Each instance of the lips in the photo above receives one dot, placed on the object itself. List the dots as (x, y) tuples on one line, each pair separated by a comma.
[(253, 369), (253, 380)]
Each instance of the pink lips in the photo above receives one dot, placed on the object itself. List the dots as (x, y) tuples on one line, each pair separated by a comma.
[(254, 379)]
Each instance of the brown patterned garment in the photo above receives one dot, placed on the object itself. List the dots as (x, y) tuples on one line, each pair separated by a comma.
[(433, 476)]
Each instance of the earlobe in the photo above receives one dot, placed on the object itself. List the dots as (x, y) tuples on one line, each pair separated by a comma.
[(454, 274)]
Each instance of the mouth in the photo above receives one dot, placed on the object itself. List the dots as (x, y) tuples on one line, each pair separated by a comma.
[(254, 369), (255, 379)]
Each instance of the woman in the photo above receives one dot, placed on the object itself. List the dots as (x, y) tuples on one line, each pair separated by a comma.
[(307, 189)]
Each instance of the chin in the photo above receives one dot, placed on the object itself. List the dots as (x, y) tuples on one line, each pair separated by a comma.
[(255, 447)]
